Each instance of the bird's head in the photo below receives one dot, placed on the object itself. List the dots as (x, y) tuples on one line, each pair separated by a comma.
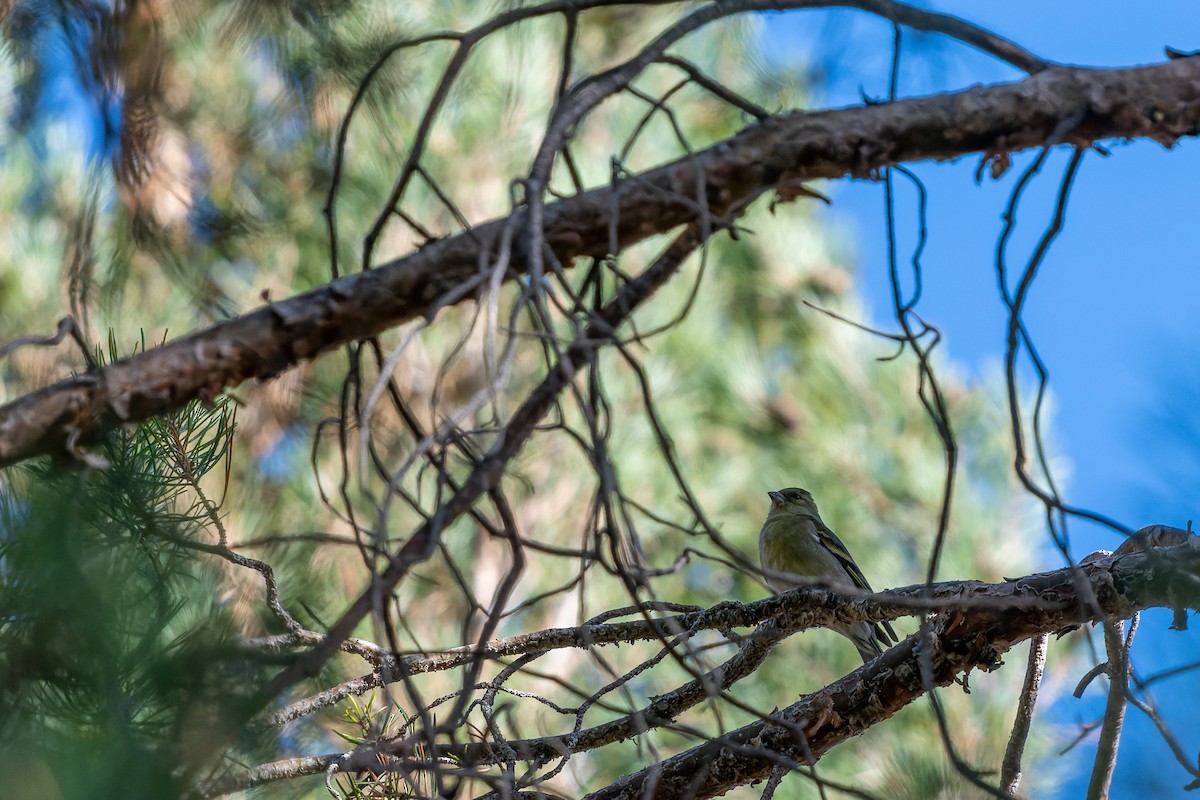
[(792, 501)]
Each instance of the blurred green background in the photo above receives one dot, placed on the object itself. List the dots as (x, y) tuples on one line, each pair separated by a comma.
[(120, 640)]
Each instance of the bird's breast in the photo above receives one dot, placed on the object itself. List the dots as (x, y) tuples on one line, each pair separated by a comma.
[(791, 544)]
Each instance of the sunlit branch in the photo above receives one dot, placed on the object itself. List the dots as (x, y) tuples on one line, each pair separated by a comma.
[(976, 623), (1156, 102)]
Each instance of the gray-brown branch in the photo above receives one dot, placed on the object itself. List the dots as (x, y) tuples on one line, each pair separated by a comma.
[(1159, 102), (1122, 585), (978, 623)]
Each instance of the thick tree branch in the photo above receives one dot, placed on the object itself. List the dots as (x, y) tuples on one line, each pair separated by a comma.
[(806, 607), (978, 622), (1121, 585), (1159, 102)]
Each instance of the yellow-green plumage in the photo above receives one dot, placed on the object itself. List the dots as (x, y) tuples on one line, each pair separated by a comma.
[(794, 541)]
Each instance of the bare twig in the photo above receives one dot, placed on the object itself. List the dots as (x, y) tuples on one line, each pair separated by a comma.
[(1010, 768), (487, 472), (1114, 711)]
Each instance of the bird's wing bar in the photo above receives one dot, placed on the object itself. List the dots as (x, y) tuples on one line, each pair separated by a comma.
[(883, 630)]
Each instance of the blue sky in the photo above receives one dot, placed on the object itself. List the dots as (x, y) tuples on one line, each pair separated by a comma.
[(1112, 311)]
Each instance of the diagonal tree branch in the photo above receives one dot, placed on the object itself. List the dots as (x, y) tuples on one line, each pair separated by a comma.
[(978, 623), (876, 691), (1158, 102)]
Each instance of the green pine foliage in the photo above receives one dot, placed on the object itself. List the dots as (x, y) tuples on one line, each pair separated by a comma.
[(120, 657)]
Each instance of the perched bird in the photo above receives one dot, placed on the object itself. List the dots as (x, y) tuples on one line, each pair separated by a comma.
[(795, 541)]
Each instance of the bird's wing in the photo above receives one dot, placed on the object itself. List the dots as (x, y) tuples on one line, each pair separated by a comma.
[(834, 545), (883, 630)]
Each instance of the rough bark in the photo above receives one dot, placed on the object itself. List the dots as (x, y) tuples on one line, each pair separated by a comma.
[(1069, 105), (1113, 587)]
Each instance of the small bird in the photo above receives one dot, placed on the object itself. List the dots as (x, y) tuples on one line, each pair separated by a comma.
[(795, 541)]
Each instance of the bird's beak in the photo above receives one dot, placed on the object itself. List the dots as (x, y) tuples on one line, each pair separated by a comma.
[(776, 499)]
